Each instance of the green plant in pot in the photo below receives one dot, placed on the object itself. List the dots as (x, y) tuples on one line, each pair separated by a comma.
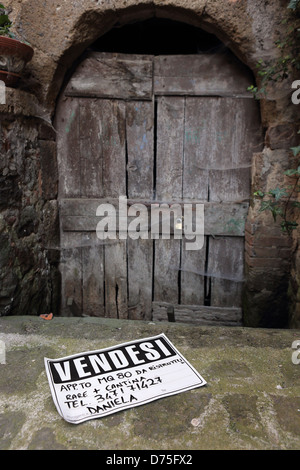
[(14, 54)]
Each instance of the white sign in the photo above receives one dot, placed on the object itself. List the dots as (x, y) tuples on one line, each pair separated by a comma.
[(98, 383)]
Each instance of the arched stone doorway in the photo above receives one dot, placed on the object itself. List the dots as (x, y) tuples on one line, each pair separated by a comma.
[(60, 34), (189, 113)]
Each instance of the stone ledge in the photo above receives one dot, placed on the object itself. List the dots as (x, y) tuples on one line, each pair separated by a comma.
[(22, 103), (251, 400)]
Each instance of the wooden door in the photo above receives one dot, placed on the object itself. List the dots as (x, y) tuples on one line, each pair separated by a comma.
[(155, 130)]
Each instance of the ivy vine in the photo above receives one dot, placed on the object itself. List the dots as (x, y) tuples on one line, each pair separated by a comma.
[(283, 201), (5, 23)]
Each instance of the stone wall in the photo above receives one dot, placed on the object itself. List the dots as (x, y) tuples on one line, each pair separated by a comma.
[(294, 284), (59, 32), (29, 279)]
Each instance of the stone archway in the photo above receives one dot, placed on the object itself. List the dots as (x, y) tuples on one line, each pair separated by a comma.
[(78, 26), (256, 304)]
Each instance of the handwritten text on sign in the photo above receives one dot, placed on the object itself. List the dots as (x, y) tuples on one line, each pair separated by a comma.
[(97, 383)]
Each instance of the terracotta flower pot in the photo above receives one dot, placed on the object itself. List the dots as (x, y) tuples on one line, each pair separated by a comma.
[(14, 55)]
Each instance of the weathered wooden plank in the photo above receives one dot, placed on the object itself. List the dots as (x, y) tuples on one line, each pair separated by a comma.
[(169, 156), (231, 156), (227, 218), (219, 219), (233, 150), (192, 276), (167, 270), (114, 77), (140, 267), (140, 148), (195, 186), (198, 145), (169, 153), (130, 77), (68, 151), (114, 185), (92, 141), (88, 206), (93, 277), (89, 224), (68, 148), (114, 147), (116, 304), (198, 315), (226, 264), (71, 274), (203, 75)]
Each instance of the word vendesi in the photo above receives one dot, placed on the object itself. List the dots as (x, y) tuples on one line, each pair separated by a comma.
[(94, 384)]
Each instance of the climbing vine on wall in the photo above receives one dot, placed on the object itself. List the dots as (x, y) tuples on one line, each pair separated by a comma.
[(283, 201)]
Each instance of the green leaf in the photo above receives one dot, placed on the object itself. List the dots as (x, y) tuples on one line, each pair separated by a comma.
[(293, 4), (292, 172), (266, 205), (4, 20), (295, 150), (278, 193), (252, 89), (259, 193), (288, 226)]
